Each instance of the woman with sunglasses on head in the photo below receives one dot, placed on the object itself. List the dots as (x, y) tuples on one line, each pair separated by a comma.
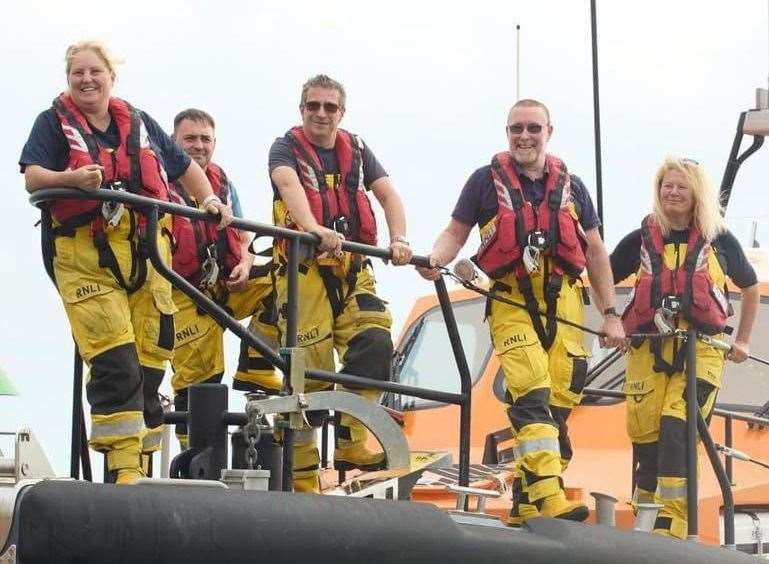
[(539, 231), (119, 308), (682, 255)]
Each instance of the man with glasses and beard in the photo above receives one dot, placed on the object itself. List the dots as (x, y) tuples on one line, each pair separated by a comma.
[(321, 176), (539, 231)]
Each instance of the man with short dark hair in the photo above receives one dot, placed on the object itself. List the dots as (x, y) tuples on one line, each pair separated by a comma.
[(538, 231), (219, 263), (321, 176)]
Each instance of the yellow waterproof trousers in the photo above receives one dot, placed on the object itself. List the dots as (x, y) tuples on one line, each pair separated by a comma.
[(199, 344), (125, 338), (542, 385), (354, 323), (656, 425)]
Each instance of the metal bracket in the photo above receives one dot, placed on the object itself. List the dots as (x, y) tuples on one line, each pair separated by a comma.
[(756, 123), (29, 460), (367, 412), (297, 365)]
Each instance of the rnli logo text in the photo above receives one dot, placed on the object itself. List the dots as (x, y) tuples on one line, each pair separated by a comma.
[(187, 332), (87, 290), (307, 336), (519, 338)]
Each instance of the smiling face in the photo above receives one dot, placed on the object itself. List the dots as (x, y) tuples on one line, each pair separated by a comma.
[(90, 81), (676, 197), (197, 139), (321, 113), (528, 131)]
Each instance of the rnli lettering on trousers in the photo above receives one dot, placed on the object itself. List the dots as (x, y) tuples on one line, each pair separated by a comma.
[(199, 347)]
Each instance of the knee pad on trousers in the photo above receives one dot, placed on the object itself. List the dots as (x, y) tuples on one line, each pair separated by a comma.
[(646, 465), (115, 382), (369, 354), (672, 447), (531, 408)]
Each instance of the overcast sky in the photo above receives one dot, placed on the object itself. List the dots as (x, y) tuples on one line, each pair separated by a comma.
[(429, 86)]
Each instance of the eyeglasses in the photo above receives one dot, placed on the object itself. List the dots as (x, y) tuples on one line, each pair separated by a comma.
[(328, 107), (517, 128)]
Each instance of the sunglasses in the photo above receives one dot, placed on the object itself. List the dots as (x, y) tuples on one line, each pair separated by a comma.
[(686, 161), (328, 107), (517, 128)]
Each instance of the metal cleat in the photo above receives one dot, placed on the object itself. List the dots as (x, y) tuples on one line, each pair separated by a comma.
[(479, 516), (605, 509), (646, 516)]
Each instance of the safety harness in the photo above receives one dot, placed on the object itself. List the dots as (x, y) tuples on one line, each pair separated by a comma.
[(338, 202), (203, 254), (132, 166), (520, 235), (694, 290), (344, 207)]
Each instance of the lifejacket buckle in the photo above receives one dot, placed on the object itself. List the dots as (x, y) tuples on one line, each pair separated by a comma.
[(531, 258), (537, 239), (665, 314), (672, 303), (209, 269), (113, 211), (342, 225)]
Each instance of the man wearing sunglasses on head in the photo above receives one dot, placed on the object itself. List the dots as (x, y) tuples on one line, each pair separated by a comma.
[(539, 231), (321, 176)]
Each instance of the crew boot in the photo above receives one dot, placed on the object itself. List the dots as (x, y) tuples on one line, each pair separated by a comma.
[(522, 509), (127, 476), (125, 464), (307, 481), (306, 461), (559, 507), (351, 436)]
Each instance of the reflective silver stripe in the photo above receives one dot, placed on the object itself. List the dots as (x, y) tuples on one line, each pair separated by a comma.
[(305, 436), (644, 496), (117, 429), (671, 492), (152, 440), (535, 445)]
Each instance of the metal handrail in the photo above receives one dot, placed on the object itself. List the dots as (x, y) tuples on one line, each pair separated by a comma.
[(151, 208)]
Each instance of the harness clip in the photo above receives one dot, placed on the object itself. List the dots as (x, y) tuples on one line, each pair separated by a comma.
[(113, 211), (209, 269)]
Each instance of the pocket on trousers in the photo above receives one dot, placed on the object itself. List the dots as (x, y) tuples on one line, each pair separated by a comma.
[(371, 311), (578, 357), (644, 398)]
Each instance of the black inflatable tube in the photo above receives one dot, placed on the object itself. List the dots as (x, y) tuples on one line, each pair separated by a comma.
[(79, 522)]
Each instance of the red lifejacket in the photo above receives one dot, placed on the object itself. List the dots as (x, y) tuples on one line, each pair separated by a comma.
[(502, 248), (133, 163), (193, 239), (703, 300), (346, 207)]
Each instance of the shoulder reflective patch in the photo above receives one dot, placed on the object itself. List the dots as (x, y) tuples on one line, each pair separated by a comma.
[(76, 141), (144, 138)]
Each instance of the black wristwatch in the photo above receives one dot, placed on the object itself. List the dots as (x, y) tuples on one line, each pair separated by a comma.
[(610, 311)]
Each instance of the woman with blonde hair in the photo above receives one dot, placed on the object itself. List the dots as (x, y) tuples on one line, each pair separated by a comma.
[(682, 256), (120, 310)]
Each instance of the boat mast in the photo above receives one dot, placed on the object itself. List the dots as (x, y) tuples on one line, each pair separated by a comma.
[(517, 62), (596, 117)]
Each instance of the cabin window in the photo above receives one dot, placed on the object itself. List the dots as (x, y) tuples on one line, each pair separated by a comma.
[(426, 360)]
